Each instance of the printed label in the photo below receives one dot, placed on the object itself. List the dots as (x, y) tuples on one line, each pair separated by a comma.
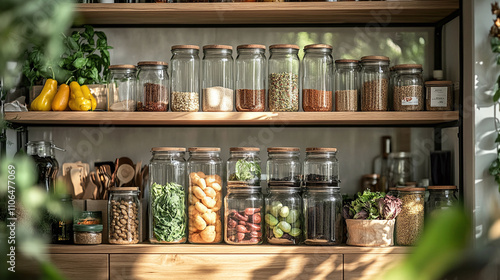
[(439, 96), (410, 101)]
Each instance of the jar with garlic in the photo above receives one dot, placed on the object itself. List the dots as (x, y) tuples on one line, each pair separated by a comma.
[(204, 195)]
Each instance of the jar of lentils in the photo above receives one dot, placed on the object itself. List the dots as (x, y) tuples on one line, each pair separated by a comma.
[(250, 81), (185, 75), (346, 84), (408, 88), (374, 83), (124, 210), (317, 80), (410, 222), (217, 83), (153, 90), (284, 67), (122, 88)]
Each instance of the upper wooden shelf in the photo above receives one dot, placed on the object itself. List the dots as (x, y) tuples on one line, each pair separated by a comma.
[(380, 13)]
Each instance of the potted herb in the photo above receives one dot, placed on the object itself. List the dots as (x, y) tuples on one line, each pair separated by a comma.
[(370, 219)]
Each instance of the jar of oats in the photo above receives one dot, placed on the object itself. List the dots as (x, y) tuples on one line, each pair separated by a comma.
[(410, 222), (374, 83), (408, 91)]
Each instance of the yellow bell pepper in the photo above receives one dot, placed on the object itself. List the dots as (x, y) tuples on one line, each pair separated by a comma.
[(88, 95), (43, 102), (60, 102), (77, 101)]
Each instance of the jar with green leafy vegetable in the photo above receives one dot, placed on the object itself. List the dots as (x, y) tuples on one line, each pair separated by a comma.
[(243, 166), (167, 209)]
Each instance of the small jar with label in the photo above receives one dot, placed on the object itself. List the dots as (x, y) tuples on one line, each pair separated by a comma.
[(408, 91), (185, 75), (440, 198), (284, 167), (317, 78), (346, 85), (321, 167), (374, 83), (153, 90), (217, 83), (284, 220), (87, 234), (243, 166), (124, 212), (250, 81), (284, 67), (122, 88), (410, 222), (439, 95)]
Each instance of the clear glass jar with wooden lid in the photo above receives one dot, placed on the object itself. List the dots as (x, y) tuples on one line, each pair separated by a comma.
[(122, 88), (317, 78), (284, 73), (440, 198), (408, 91), (284, 167), (243, 166), (410, 222), (217, 78), (153, 89), (374, 83), (250, 80), (439, 95), (321, 167), (124, 212), (185, 78), (346, 85)]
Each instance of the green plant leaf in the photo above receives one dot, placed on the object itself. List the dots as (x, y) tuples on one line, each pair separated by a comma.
[(496, 96), (89, 30), (101, 43), (81, 80), (101, 35), (494, 168), (79, 63), (495, 44)]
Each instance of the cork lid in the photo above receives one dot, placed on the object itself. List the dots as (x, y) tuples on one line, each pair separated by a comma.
[(122, 66), (204, 149), (411, 189), (282, 149), (123, 189), (240, 184), (153, 63), (244, 149), (217, 47), (346, 61), (438, 83), (375, 58), (168, 149), (442, 187), (318, 46), (321, 150), (284, 46), (185, 47), (251, 46), (407, 66)]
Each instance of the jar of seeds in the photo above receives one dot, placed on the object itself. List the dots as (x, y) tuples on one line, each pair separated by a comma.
[(439, 95), (317, 80), (410, 222), (251, 78), (408, 91), (375, 83), (346, 84), (217, 84), (122, 87), (283, 74), (153, 90), (185, 75), (123, 215)]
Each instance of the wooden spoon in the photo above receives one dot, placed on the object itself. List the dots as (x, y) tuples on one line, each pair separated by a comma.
[(125, 174)]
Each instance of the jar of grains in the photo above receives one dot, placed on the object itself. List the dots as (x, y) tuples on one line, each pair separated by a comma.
[(375, 83), (87, 234), (410, 222), (185, 75), (217, 84), (317, 80), (284, 67), (251, 78), (440, 198), (346, 84), (408, 91), (439, 95), (122, 88), (283, 166), (123, 215), (243, 166), (153, 90)]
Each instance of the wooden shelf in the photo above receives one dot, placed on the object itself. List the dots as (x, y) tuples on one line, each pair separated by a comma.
[(379, 13), (232, 118)]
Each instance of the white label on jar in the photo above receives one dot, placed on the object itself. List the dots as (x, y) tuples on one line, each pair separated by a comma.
[(409, 101), (439, 96)]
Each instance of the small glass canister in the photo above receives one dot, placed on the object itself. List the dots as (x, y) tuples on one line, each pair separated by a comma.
[(284, 222), (205, 195), (124, 211), (87, 234), (408, 88), (439, 95), (346, 85), (284, 167), (153, 90), (375, 83), (400, 169), (250, 81), (122, 88), (317, 78), (217, 84), (243, 166), (284, 73), (167, 179), (321, 167), (440, 198), (185, 75), (410, 222)]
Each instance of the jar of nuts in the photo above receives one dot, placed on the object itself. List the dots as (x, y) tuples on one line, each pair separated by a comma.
[(123, 215), (284, 222), (408, 91), (375, 83), (410, 222)]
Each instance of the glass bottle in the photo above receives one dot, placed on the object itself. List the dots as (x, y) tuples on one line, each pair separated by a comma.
[(440, 198), (439, 95), (400, 169), (250, 81), (185, 75), (153, 90), (375, 83), (243, 166), (124, 212), (205, 168), (284, 73), (346, 85), (167, 179), (284, 220), (62, 227), (408, 92), (317, 80), (217, 83), (284, 167), (410, 222), (122, 87), (47, 165), (321, 167)]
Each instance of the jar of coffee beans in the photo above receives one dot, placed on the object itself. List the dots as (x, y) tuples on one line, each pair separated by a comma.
[(153, 90), (317, 83), (123, 215), (346, 84), (284, 75), (250, 80), (185, 75), (408, 90), (374, 83)]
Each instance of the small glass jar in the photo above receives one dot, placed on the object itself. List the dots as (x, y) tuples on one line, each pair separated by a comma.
[(400, 169), (250, 81), (217, 84), (243, 221), (122, 88), (284, 221), (204, 167), (46, 163), (243, 166), (440, 198), (323, 216), (408, 91), (284, 73), (185, 75), (346, 85), (153, 90), (124, 212), (375, 83), (317, 78), (439, 95), (167, 190), (372, 183), (62, 227), (410, 222), (321, 167), (87, 234), (284, 167)]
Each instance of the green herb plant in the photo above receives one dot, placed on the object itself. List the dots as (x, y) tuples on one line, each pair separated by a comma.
[(246, 170), (168, 212), (365, 207), (494, 169)]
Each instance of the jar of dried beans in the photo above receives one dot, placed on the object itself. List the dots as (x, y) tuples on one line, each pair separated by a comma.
[(410, 222), (408, 91), (321, 167), (217, 84), (153, 90), (243, 166), (122, 88), (439, 95), (284, 67), (284, 167), (346, 84), (251, 78), (317, 80), (124, 210), (284, 222), (185, 75), (374, 83)]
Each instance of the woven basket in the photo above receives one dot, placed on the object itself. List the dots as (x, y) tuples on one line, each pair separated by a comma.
[(374, 233)]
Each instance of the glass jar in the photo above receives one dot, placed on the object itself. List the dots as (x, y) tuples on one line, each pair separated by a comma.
[(47, 165), (87, 234), (217, 84), (323, 216), (185, 75), (410, 222), (440, 198), (408, 91), (243, 221), (124, 210), (251, 78), (321, 167), (400, 169), (153, 90), (375, 83), (205, 195), (346, 85), (284, 73), (122, 88), (439, 95), (317, 78), (372, 183), (392, 82), (167, 179), (393, 192), (62, 227), (243, 166), (283, 167), (284, 221)]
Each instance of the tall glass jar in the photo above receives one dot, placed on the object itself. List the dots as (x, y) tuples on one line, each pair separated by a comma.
[(46, 163), (392, 82), (185, 75), (400, 169), (321, 167), (153, 89), (317, 80), (284, 73), (346, 84), (284, 220), (124, 212), (167, 180), (410, 222), (205, 195), (217, 84), (122, 88), (250, 81), (283, 166), (440, 198), (243, 221), (375, 83), (243, 166), (408, 88)]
